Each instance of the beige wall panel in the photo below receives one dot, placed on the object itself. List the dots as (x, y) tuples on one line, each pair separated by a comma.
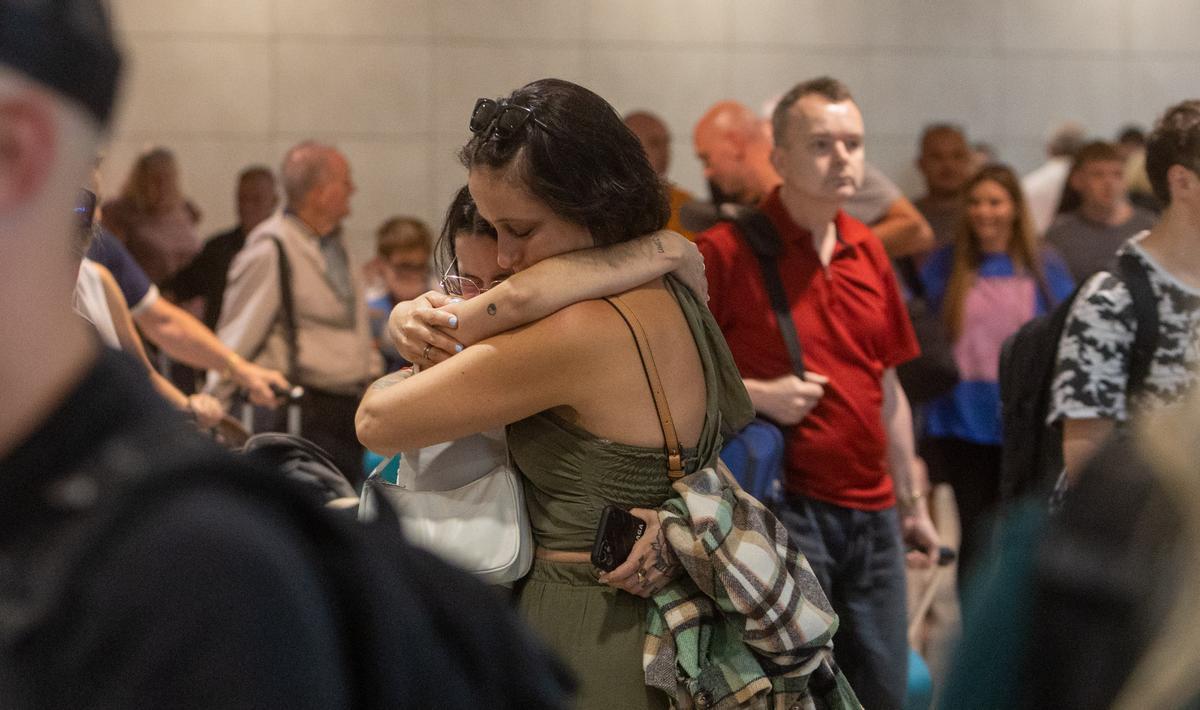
[(1062, 25), (522, 20), (196, 86), (352, 87), (355, 18), (194, 16), (700, 24)]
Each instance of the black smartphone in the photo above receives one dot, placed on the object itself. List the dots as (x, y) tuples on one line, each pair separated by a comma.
[(615, 536)]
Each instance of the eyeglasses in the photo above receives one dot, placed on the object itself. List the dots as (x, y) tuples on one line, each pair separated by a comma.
[(500, 118), (463, 287)]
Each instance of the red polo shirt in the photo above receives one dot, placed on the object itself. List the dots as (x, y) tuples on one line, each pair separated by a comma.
[(852, 325)]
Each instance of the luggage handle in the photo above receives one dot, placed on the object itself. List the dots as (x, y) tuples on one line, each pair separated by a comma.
[(292, 396)]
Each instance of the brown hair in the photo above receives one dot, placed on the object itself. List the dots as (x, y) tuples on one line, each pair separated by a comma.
[(934, 129), (1096, 152), (402, 233), (1022, 246), (824, 86), (1174, 141), (577, 156), (136, 189)]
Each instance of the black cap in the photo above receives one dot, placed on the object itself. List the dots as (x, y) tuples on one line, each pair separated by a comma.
[(65, 45)]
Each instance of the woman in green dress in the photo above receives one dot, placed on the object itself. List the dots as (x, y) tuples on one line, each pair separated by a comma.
[(554, 170)]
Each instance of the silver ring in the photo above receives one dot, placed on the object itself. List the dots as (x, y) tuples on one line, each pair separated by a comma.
[(425, 352)]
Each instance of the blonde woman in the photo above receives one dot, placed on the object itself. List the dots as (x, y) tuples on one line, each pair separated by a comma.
[(153, 218)]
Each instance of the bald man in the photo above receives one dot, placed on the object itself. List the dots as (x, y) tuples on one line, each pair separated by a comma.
[(332, 354), (655, 138), (734, 145), (735, 152)]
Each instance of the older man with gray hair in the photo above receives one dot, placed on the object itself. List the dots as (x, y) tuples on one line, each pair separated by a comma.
[(294, 302)]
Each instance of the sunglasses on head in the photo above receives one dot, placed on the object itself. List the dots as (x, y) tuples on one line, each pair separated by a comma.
[(500, 118)]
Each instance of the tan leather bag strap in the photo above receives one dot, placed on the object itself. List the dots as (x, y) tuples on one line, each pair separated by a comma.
[(670, 438)]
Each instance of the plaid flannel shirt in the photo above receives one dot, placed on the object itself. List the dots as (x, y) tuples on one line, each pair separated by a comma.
[(748, 624)]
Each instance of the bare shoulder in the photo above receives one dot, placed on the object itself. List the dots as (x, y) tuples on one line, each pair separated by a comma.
[(650, 303), (591, 330), (576, 319), (581, 327)]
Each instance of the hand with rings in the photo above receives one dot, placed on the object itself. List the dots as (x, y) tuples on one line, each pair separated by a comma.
[(421, 328), (651, 564)]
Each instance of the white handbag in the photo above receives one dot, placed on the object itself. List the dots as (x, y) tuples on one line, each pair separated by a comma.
[(463, 501)]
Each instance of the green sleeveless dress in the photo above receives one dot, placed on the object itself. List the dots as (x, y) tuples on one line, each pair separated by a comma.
[(570, 475)]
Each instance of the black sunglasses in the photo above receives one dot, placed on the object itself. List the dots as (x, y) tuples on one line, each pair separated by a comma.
[(500, 118)]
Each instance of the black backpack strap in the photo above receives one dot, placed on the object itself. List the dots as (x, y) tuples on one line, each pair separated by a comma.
[(1145, 310), (289, 311), (759, 232)]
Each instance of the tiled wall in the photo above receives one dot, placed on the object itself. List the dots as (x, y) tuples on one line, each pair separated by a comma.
[(230, 82)]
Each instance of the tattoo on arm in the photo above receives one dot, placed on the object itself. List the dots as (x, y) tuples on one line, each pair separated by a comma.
[(384, 382), (491, 309), (658, 245)]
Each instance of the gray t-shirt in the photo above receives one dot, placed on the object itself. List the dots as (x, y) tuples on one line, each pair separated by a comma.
[(873, 198), (1089, 247)]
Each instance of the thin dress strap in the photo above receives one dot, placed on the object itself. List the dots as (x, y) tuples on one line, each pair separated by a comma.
[(670, 438)]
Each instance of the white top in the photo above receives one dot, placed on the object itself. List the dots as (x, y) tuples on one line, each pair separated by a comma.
[(452, 464), (1043, 191), (92, 304)]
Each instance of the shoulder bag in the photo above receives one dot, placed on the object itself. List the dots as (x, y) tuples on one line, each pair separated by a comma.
[(463, 501)]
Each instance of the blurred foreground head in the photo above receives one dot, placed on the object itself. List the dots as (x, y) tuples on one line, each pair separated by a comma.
[(59, 70)]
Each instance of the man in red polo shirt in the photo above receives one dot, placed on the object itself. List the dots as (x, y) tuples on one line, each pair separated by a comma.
[(849, 427)]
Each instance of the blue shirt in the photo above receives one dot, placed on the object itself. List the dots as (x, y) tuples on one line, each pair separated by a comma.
[(998, 303), (111, 253)]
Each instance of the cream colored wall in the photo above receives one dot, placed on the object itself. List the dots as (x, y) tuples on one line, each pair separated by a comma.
[(230, 82)]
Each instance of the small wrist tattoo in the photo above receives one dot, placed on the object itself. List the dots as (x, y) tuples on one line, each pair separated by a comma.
[(658, 245), (491, 309)]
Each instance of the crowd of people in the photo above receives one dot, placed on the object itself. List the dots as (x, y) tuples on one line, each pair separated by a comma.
[(598, 330)]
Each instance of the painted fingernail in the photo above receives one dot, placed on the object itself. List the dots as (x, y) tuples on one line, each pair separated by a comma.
[(453, 321), (458, 348)]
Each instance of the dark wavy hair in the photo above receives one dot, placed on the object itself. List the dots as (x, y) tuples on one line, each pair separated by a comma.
[(1174, 141), (582, 161), (461, 216)]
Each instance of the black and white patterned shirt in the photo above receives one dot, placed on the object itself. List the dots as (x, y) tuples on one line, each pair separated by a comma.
[(1093, 355)]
